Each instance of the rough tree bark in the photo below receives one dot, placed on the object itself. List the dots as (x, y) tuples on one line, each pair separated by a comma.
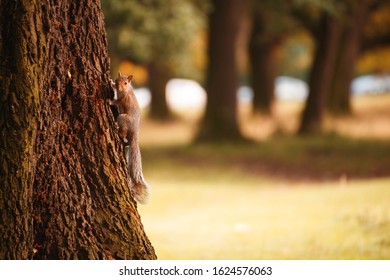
[(64, 186), (220, 120)]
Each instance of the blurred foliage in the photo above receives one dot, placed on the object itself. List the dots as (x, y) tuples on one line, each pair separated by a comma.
[(173, 33), (379, 22), (277, 17), (162, 31), (376, 61), (316, 7), (376, 56), (376, 37), (297, 55)]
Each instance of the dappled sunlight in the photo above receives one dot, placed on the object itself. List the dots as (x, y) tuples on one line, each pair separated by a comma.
[(177, 132), (285, 120), (370, 120)]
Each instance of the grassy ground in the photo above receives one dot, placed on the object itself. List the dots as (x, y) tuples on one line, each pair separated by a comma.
[(282, 197)]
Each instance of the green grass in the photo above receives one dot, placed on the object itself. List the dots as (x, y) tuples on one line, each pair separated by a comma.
[(286, 198)]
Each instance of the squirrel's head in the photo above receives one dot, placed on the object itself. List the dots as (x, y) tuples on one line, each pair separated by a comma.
[(123, 83)]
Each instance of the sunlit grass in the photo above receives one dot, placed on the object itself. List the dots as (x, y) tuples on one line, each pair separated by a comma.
[(282, 198), (226, 218)]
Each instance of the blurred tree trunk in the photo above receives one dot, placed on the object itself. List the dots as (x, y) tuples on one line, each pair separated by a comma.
[(159, 77), (64, 186), (327, 40), (220, 120), (262, 57), (348, 53)]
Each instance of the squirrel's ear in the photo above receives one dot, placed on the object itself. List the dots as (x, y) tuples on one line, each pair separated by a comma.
[(119, 74), (129, 78)]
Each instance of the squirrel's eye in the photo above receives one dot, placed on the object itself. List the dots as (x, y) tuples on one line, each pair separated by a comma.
[(125, 83)]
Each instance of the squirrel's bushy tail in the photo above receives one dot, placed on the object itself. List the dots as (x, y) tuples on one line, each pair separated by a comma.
[(139, 188), (141, 192)]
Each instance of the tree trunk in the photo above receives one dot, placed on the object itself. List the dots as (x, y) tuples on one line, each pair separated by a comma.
[(20, 87), (327, 41), (349, 50), (220, 120), (158, 79), (64, 185), (263, 66)]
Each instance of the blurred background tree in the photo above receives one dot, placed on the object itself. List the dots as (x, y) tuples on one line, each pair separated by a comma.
[(271, 24), (318, 17), (157, 34), (323, 43), (224, 26), (356, 22), (314, 40), (339, 30)]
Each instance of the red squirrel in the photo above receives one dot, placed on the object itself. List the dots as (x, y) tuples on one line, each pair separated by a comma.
[(129, 120)]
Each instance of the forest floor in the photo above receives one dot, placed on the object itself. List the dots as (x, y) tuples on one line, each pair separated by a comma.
[(280, 197)]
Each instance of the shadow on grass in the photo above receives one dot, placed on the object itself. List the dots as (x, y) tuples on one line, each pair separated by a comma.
[(319, 158)]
